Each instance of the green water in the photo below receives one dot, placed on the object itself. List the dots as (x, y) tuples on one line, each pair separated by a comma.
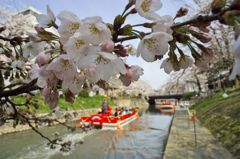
[(144, 138)]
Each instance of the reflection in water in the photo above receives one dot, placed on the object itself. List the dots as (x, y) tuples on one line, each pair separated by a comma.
[(143, 139)]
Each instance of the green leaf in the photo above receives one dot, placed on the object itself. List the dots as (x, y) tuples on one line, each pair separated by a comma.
[(118, 21), (126, 30)]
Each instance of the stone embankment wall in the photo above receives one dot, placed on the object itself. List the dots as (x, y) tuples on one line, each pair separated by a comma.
[(8, 127)]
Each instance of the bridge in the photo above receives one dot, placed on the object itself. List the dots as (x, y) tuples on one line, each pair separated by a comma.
[(152, 102)]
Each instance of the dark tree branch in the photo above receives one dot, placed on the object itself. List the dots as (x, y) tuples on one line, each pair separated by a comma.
[(26, 119), (34, 129), (5, 39), (126, 38), (26, 88), (200, 19)]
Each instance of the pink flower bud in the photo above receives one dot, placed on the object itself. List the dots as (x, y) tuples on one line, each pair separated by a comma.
[(69, 96), (108, 46), (51, 97), (43, 58), (121, 50)]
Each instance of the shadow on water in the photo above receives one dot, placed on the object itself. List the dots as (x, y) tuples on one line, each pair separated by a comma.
[(144, 138)]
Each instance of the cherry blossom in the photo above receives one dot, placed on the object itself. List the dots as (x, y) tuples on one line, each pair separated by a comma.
[(107, 46), (133, 74), (152, 45), (185, 61), (121, 50), (86, 58), (167, 65), (43, 58), (91, 93), (131, 50), (96, 31), (4, 58), (18, 64), (63, 67), (107, 65), (164, 24), (32, 49), (74, 84), (75, 45), (70, 23), (46, 77), (204, 60), (147, 8), (34, 72), (46, 20), (51, 96)]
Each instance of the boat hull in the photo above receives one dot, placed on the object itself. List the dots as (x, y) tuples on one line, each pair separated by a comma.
[(108, 122), (168, 109)]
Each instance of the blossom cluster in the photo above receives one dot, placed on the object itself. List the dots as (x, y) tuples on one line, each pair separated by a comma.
[(84, 52), (75, 52)]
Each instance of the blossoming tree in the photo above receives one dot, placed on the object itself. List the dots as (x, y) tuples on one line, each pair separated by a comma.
[(63, 57)]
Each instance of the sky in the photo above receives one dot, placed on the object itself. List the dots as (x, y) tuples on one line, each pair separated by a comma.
[(108, 9)]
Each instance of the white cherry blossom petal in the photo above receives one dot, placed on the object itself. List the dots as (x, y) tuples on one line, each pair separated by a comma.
[(164, 24), (34, 72), (107, 65), (62, 67), (133, 74), (75, 45), (4, 58), (70, 23), (96, 30), (74, 84), (186, 62), (32, 49), (46, 20), (46, 77), (152, 45), (167, 66), (147, 8)]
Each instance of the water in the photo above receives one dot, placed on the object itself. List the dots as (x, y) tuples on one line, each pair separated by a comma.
[(142, 139)]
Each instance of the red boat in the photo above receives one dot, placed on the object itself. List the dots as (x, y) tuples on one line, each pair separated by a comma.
[(167, 108), (105, 121)]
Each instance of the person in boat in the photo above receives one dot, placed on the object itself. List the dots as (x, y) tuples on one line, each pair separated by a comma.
[(126, 110), (109, 110), (104, 106), (116, 112)]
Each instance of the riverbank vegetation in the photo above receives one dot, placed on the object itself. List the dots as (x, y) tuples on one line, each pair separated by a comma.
[(83, 101), (221, 116)]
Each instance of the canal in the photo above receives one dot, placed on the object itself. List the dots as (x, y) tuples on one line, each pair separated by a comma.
[(144, 138)]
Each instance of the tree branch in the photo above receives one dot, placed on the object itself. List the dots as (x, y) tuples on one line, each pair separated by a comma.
[(199, 19), (26, 88), (5, 39)]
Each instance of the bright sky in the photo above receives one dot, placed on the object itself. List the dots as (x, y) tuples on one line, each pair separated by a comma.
[(108, 9)]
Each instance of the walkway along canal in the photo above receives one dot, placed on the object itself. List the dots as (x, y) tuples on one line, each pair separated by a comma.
[(184, 143)]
